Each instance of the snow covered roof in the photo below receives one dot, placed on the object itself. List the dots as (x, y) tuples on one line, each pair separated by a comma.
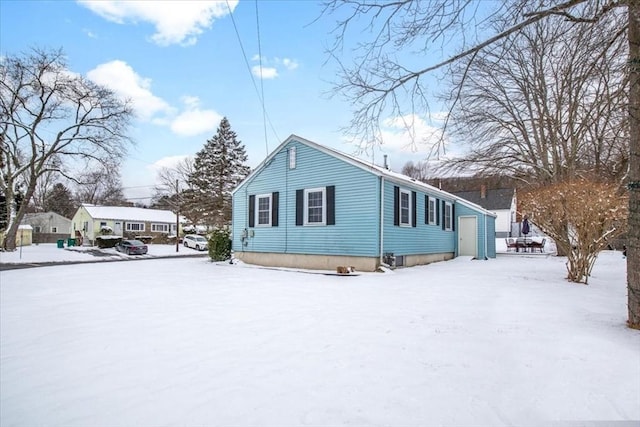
[(130, 214), (373, 168)]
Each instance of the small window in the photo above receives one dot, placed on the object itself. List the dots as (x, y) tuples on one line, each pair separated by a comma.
[(134, 226), (36, 229), (432, 210), (405, 208), (447, 216), (54, 229), (292, 157), (314, 206), (263, 211), (103, 224), (160, 228)]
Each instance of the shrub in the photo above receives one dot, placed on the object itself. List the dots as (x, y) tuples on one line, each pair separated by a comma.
[(107, 241), (581, 216), (220, 245)]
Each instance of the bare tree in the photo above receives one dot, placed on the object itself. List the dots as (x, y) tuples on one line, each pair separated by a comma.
[(101, 186), (546, 104), (52, 120), (172, 183), (378, 84), (419, 170)]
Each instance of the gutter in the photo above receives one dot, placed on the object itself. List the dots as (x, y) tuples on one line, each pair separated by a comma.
[(381, 219)]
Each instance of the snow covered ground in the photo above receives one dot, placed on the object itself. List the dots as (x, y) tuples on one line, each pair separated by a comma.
[(49, 252), (185, 342)]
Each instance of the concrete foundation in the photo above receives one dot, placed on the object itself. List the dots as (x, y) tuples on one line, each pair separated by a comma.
[(330, 262)]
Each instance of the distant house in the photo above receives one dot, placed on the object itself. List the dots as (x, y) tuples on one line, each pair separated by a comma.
[(48, 227), (89, 220), (24, 237), (310, 206), (502, 202)]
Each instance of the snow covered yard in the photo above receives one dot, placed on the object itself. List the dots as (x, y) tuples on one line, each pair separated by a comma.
[(49, 252), (188, 342)]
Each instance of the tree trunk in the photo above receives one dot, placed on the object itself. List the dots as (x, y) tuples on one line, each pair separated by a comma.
[(633, 241)]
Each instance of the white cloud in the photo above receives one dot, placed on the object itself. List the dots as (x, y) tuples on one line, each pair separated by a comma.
[(264, 72), (270, 66), (194, 121), (176, 22), (125, 82), (410, 133), (168, 162), (290, 64)]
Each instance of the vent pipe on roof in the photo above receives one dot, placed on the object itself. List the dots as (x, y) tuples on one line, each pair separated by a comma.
[(386, 164)]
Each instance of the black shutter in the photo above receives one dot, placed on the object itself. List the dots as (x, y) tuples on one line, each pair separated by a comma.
[(299, 207), (252, 211), (275, 197), (444, 213), (331, 205), (437, 211), (426, 209), (396, 205), (453, 217), (414, 214)]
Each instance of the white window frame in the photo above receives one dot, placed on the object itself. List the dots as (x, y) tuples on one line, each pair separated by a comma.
[(292, 157), (409, 211), (173, 228), (128, 225), (37, 229), (257, 210), (447, 216), (158, 227), (432, 210), (307, 191), (54, 229)]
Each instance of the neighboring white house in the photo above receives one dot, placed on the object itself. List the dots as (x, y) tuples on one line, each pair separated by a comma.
[(502, 202), (48, 227), (89, 220)]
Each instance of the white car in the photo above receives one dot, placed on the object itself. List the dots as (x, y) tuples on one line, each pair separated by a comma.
[(196, 242)]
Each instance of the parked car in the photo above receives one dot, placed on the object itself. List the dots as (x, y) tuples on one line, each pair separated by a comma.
[(196, 242), (132, 247)]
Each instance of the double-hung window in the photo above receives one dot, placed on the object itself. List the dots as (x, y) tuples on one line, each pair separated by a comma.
[(447, 216), (160, 228), (134, 226), (405, 208), (432, 210), (315, 202), (263, 210)]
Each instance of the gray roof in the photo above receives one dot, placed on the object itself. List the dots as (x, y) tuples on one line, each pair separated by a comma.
[(494, 199)]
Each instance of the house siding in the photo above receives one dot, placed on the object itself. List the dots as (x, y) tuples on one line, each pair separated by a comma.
[(482, 222), (355, 231), (421, 239), (362, 192)]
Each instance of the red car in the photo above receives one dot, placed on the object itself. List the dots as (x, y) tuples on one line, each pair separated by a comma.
[(132, 247)]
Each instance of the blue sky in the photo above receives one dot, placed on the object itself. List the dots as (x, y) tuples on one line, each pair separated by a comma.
[(182, 65)]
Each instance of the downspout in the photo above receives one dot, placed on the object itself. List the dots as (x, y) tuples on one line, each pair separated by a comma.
[(381, 219), (486, 257)]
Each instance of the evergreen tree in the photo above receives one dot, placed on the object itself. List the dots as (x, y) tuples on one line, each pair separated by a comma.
[(60, 201), (218, 168)]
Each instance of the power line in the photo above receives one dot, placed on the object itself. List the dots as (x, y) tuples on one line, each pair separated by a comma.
[(264, 109), (253, 80)]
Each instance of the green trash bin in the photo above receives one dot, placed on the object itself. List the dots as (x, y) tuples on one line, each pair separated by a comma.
[(71, 242), (60, 243)]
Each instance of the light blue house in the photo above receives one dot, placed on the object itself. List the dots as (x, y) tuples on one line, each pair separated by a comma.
[(309, 206)]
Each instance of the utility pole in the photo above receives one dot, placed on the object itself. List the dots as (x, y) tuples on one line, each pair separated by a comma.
[(177, 217)]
